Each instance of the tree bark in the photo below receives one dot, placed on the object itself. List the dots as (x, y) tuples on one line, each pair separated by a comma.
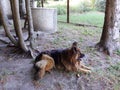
[(18, 25), (13, 15), (0, 20), (22, 8), (30, 24), (5, 25), (110, 35)]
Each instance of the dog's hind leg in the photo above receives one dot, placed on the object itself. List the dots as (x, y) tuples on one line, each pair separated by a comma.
[(41, 73), (41, 65)]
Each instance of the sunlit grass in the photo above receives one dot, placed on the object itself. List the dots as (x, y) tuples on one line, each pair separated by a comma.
[(92, 18)]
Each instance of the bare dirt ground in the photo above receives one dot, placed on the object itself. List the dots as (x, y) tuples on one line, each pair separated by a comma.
[(16, 67)]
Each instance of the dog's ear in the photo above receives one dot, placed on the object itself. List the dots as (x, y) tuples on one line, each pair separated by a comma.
[(74, 44), (74, 50)]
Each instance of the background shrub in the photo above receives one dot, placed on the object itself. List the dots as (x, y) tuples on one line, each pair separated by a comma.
[(84, 7), (81, 7), (61, 10), (100, 5)]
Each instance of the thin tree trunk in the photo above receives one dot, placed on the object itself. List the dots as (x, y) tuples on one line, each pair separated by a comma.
[(0, 20), (5, 25), (32, 2), (30, 24), (110, 36), (13, 15), (26, 20), (42, 2), (68, 11), (22, 8), (18, 25)]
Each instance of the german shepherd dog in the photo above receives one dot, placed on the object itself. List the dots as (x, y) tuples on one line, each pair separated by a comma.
[(68, 59)]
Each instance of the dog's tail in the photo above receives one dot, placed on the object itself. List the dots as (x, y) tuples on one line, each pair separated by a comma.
[(41, 64), (45, 61), (39, 69), (37, 59), (36, 66)]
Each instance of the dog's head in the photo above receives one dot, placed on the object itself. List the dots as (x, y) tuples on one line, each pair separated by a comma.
[(76, 51)]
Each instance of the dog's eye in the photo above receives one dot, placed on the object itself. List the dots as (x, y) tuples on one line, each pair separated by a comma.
[(78, 51)]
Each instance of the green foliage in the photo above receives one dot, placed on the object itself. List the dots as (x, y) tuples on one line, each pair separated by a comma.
[(100, 5), (84, 7), (61, 10), (93, 4)]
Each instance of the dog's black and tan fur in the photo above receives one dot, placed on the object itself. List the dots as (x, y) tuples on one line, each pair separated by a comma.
[(69, 59)]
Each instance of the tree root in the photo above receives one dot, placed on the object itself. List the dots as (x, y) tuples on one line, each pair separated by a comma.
[(33, 53), (102, 48), (5, 42)]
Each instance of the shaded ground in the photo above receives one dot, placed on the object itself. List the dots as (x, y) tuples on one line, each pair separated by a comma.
[(16, 68)]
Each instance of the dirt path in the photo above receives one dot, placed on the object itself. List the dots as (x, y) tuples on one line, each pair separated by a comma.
[(16, 69), (16, 74)]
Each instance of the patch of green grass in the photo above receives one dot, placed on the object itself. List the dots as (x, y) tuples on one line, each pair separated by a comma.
[(90, 50), (118, 52), (4, 73), (92, 18), (108, 58), (115, 69), (81, 39), (117, 86), (87, 32), (57, 40), (7, 72)]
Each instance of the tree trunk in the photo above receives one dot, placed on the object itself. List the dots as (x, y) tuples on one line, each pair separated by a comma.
[(22, 8), (32, 1), (5, 25), (18, 25), (110, 36), (0, 20), (30, 24), (13, 15)]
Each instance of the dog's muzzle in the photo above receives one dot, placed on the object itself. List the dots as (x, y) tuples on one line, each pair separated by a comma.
[(82, 55)]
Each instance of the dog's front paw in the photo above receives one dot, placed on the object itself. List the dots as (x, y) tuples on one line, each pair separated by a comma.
[(89, 68), (89, 71)]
